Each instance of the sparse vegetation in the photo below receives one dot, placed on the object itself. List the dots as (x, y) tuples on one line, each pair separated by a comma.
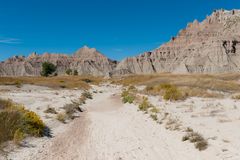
[(87, 80), (69, 71), (18, 136), (70, 109), (145, 105), (198, 140), (87, 95), (48, 69), (236, 96), (50, 110), (127, 97), (18, 84), (62, 86), (62, 117), (70, 82), (199, 85), (172, 93), (75, 72), (154, 117), (155, 110), (16, 122)]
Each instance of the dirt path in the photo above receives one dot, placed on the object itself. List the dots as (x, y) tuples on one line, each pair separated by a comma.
[(110, 130)]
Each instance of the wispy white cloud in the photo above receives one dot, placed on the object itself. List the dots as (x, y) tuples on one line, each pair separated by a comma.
[(10, 41)]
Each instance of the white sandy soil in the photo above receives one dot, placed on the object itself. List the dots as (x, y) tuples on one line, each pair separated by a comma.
[(110, 130)]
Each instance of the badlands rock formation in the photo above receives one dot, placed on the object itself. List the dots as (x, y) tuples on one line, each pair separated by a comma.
[(212, 46), (85, 61)]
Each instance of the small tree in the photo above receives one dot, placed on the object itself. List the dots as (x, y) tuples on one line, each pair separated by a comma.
[(75, 73), (69, 71), (48, 69)]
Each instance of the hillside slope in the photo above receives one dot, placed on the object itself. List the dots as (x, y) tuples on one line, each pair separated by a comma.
[(210, 46)]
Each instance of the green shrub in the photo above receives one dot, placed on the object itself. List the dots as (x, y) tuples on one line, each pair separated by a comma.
[(69, 72), (18, 136), (127, 97), (16, 122), (75, 72), (172, 93), (32, 124), (48, 69), (145, 105), (9, 123)]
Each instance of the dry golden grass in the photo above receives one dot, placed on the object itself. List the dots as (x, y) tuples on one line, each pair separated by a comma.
[(202, 85), (54, 82)]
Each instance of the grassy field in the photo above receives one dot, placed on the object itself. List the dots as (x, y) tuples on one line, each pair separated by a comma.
[(202, 85), (82, 82)]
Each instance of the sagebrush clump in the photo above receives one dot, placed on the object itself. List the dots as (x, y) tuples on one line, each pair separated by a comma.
[(168, 91), (127, 96), (145, 105), (62, 117), (196, 138), (172, 94), (87, 95), (16, 122), (50, 110)]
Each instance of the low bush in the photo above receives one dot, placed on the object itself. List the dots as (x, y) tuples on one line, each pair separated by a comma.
[(168, 91), (198, 140), (50, 110), (127, 97), (154, 117), (69, 71), (87, 95), (62, 117), (62, 86), (48, 68), (18, 136), (145, 105), (75, 72), (87, 80), (172, 94), (201, 145), (16, 122), (70, 109), (18, 84)]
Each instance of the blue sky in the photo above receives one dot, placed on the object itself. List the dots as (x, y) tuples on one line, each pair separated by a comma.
[(117, 28)]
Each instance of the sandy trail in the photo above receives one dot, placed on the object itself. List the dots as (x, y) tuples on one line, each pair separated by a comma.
[(110, 130)]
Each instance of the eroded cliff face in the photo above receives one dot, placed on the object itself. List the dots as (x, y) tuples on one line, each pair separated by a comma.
[(212, 46), (86, 61)]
